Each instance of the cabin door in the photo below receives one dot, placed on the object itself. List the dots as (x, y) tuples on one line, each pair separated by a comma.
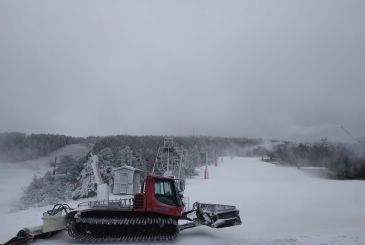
[(123, 183)]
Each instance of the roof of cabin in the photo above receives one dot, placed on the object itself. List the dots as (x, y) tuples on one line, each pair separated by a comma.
[(128, 168)]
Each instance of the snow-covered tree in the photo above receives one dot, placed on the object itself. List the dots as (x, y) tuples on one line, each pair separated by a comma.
[(125, 156), (106, 154), (140, 162), (86, 183), (45, 191)]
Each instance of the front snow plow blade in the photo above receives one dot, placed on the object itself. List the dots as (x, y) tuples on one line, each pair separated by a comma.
[(212, 215), (221, 215)]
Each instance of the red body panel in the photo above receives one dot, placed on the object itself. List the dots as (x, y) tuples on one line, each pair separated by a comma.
[(151, 204)]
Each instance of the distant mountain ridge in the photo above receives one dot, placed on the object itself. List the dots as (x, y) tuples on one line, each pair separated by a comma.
[(15, 146)]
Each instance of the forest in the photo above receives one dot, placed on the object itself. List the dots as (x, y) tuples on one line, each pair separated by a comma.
[(344, 160)]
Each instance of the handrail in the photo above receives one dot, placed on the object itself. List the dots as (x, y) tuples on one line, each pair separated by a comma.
[(118, 203)]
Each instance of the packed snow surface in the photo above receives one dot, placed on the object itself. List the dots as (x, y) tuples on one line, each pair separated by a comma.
[(278, 205)]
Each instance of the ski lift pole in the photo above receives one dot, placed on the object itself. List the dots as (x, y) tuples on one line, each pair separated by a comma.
[(180, 163), (215, 159), (206, 176)]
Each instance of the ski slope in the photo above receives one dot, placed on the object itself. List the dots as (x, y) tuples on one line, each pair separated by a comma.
[(278, 205), (282, 205)]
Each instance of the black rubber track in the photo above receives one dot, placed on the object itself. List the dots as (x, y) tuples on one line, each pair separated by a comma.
[(119, 227)]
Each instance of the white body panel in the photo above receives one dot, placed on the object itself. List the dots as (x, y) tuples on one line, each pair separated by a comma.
[(103, 192)]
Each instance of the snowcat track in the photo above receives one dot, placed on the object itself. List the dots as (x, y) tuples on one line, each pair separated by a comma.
[(126, 230)]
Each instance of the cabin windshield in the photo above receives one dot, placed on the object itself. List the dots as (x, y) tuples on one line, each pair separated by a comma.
[(165, 191)]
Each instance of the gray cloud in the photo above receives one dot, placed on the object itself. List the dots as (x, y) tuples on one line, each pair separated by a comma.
[(273, 69)]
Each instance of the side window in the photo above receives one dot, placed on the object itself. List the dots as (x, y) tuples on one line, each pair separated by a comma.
[(158, 189)]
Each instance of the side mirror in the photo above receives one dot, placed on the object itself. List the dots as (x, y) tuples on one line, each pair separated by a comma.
[(181, 185)]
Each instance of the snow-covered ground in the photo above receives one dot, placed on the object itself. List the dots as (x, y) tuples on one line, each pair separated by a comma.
[(278, 205), (282, 205)]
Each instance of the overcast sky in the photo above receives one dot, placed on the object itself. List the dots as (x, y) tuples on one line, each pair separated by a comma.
[(273, 69)]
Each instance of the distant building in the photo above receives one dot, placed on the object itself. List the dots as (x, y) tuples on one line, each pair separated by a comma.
[(268, 158), (127, 180)]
